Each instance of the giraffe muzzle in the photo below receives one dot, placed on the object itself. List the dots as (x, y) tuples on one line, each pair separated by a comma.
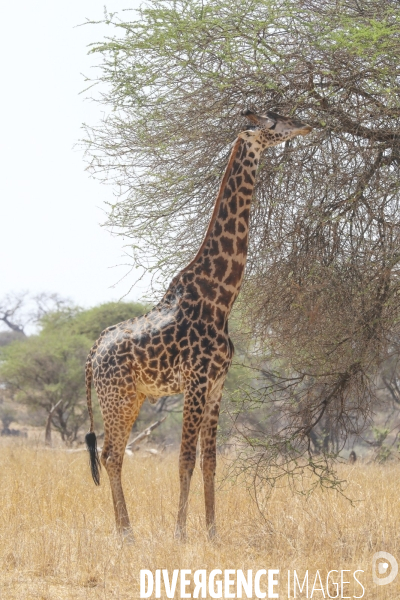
[(306, 130)]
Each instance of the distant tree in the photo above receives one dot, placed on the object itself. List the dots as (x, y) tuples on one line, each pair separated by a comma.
[(8, 415), (11, 307), (19, 310), (45, 371)]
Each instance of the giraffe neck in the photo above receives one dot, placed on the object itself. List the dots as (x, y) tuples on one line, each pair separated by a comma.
[(216, 273)]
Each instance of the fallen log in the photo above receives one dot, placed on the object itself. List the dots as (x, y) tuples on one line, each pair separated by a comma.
[(145, 433)]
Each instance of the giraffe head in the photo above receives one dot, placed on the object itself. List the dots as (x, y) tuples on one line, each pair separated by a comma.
[(272, 129)]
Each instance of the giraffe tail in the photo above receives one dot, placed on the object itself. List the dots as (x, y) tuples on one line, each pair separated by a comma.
[(90, 438)]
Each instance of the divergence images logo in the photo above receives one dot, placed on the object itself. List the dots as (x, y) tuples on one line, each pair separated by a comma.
[(382, 568)]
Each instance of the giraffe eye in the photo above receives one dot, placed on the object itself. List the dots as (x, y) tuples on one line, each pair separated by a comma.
[(269, 123)]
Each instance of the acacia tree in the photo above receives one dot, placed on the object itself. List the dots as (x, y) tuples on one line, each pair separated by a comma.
[(322, 287), (44, 372)]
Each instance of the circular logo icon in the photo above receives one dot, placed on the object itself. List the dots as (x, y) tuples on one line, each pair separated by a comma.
[(383, 567)]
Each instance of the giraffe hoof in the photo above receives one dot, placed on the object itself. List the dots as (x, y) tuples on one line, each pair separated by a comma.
[(180, 535), (128, 537)]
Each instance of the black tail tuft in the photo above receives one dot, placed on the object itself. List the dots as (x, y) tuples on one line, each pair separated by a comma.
[(95, 465)]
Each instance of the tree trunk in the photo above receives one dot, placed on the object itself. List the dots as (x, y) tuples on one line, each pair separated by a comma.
[(47, 435)]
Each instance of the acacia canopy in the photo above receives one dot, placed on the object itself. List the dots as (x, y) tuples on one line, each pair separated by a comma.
[(322, 280)]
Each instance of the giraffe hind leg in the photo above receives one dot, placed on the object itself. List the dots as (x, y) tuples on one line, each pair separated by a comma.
[(118, 423)]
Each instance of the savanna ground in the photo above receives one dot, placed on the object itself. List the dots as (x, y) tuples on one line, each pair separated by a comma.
[(57, 529)]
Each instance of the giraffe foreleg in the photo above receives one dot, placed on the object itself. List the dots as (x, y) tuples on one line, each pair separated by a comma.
[(195, 398), (208, 458)]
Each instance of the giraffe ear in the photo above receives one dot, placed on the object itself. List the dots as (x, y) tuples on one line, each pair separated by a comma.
[(251, 116), (263, 121)]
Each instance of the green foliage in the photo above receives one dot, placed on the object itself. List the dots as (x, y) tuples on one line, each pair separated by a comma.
[(45, 369), (380, 435), (383, 451), (369, 36)]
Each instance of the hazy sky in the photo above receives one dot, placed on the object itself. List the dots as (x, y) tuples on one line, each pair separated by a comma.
[(50, 237)]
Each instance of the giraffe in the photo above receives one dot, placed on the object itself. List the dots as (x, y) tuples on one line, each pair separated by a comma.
[(182, 345)]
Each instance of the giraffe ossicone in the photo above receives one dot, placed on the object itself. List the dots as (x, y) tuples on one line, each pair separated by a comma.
[(182, 345)]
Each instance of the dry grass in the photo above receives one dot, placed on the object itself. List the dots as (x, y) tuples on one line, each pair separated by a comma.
[(57, 541)]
